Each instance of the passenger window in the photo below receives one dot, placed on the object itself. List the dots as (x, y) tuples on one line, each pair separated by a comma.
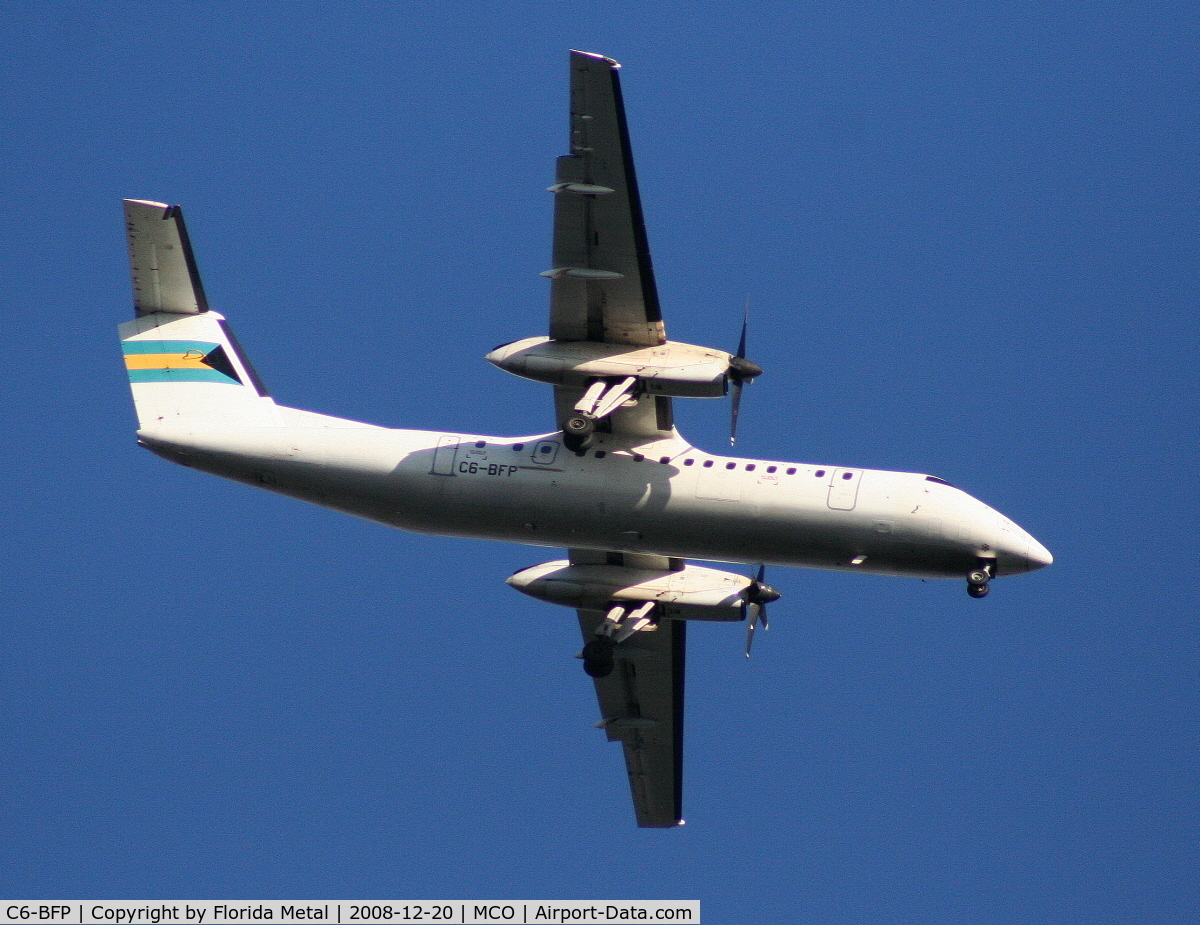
[(750, 467), (638, 457), (730, 465), (771, 469), (688, 462), (665, 460), (708, 464), (820, 473), (600, 454), (791, 472), (517, 447)]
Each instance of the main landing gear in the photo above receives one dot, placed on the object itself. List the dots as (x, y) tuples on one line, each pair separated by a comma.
[(977, 580), (621, 622), (601, 398)]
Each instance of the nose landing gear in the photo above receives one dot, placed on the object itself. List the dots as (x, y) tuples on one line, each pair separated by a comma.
[(978, 578)]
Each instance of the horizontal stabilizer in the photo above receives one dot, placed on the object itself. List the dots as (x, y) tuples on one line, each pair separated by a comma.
[(165, 278)]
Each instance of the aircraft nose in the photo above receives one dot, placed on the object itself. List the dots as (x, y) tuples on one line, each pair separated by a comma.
[(1016, 550), (1037, 555)]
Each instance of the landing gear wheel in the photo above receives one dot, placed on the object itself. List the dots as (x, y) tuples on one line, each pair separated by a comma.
[(979, 576), (577, 432), (598, 659), (978, 590)]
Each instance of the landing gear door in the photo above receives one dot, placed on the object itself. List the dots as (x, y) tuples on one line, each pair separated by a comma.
[(443, 456), (843, 489)]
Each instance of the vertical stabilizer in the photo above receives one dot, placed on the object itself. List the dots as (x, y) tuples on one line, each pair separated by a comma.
[(185, 367)]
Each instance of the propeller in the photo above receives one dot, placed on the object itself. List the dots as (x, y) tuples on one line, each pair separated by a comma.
[(754, 605), (741, 371)]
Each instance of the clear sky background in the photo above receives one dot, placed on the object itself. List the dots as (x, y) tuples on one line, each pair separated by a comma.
[(968, 235)]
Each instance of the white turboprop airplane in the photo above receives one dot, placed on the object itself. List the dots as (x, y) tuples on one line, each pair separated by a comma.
[(615, 484)]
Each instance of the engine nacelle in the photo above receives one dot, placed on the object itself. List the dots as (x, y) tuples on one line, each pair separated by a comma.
[(674, 369), (692, 593)]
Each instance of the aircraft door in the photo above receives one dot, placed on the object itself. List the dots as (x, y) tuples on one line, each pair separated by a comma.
[(443, 456), (843, 489)]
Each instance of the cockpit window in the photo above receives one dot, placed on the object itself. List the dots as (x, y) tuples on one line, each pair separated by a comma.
[(930, 478)]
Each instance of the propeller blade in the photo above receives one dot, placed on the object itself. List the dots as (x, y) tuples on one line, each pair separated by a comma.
[(736, 406), (764, 592), (737, 397), (741, 371), (755, 599)]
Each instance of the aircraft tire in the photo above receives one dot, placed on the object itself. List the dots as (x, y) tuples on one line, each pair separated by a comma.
[(579, 424), (598, 659), (978, 590), (576, 444), (577, 432)]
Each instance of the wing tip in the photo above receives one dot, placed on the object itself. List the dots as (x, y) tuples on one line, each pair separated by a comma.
[(673, 824), (614, 64)]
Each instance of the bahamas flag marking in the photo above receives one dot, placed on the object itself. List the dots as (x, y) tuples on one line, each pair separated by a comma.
[(178, 361)]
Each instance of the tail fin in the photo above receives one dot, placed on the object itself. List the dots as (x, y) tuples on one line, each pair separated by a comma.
[(185, 367)]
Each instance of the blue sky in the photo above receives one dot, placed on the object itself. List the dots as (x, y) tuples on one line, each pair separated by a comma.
[(968, 236)]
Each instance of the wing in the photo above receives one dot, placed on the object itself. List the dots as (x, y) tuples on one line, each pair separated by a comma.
[(602, 282), (641, 704)]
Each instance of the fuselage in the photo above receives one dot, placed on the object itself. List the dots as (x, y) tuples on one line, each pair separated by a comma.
[(663, 497)]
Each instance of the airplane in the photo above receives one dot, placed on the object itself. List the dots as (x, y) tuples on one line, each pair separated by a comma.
[(614, 483)]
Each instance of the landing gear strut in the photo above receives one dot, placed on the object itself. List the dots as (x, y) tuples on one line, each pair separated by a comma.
[(977, 580)]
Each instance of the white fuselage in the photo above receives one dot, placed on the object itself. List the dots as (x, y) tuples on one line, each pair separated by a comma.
[(662, 497)]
